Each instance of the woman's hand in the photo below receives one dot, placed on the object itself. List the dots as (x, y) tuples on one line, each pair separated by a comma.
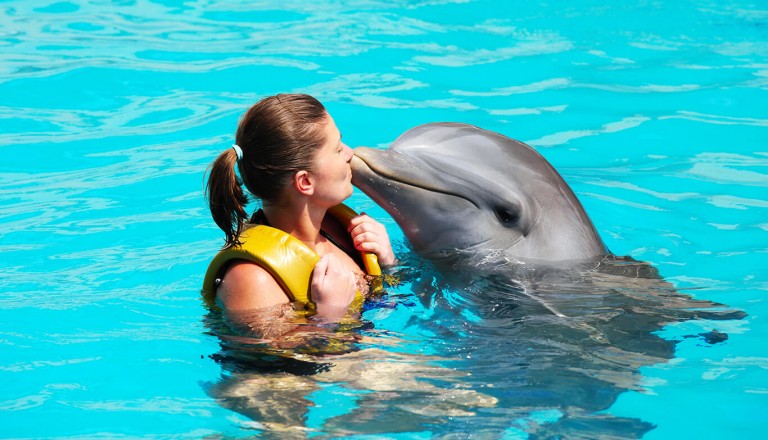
[(371, 236), (332, 288)]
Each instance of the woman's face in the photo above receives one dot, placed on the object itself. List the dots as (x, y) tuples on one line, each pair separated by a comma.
[(331, 169)]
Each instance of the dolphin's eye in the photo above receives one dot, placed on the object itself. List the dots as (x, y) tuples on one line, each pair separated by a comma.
[(507, 216)]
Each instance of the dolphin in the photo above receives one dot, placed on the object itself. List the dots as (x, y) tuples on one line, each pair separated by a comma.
[(481, 205), (459, 188)]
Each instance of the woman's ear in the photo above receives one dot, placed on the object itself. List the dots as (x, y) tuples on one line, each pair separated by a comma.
[(304, 183)]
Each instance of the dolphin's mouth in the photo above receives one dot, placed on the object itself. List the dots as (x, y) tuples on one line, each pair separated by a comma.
[(400, 169)]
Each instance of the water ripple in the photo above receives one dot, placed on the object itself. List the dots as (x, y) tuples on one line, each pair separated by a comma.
[(563, 83), (717, 119), (140, 116), (35, 365), (370, 90), (457, 57), (165, 405), (52, 197), (566, 136), (724, 168), (154, 38)]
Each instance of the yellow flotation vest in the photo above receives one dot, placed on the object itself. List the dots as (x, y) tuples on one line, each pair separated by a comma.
[(284, 256)]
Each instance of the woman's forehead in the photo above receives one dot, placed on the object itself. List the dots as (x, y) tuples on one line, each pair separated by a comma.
[(331, 131)]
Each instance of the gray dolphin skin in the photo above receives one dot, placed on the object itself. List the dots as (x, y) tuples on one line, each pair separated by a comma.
[(457, 187)]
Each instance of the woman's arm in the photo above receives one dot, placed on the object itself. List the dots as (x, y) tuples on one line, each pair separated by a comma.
[(248, 286), (251, 297)]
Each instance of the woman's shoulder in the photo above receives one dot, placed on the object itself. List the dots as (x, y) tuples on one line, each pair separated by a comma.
[(247, 285)]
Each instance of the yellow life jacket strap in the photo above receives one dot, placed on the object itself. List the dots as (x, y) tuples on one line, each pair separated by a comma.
[(344, 214), (285, 257)]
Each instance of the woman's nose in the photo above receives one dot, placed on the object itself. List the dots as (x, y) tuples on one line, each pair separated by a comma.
[(348, 153)]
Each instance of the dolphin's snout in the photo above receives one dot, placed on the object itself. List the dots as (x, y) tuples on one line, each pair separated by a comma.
[(363, 153), (358, 164)]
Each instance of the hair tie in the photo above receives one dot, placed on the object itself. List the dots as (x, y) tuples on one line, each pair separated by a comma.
[(238, 150)]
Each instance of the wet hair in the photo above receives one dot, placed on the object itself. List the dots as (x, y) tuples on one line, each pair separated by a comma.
[(278, 136)]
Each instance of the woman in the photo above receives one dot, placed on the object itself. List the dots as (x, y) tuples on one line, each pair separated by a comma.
[(290, 156)]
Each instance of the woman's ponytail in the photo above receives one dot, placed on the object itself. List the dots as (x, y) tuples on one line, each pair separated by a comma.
[(276, 137), (226, 198)]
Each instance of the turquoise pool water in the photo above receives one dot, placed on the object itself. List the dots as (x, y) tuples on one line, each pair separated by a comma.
[(654, 112)]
